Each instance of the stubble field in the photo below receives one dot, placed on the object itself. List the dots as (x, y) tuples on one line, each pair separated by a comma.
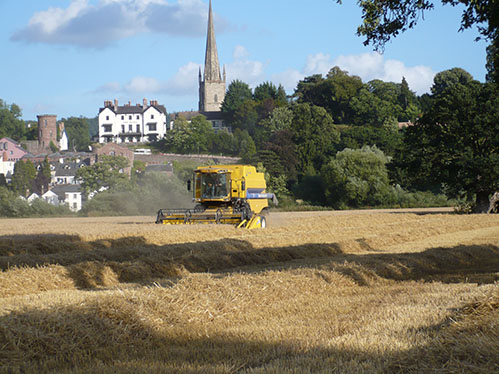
[(318, 292)]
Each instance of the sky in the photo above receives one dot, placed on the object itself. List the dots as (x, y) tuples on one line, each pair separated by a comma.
[(66, 57)]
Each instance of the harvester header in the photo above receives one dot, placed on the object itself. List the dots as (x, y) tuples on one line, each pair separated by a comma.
[(229, 194)]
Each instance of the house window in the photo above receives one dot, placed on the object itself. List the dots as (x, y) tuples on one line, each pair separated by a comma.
[(122, 128), (130, 128), (108, 128), (129, 117), (75, 206), (75, 196), (111, 153), (107, 118), (152, 127), (152, 116), (138, 128), (122, 117), (138, 117), (216, 98)]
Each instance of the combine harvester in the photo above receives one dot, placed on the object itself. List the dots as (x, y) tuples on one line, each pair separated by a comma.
[(225, 194)]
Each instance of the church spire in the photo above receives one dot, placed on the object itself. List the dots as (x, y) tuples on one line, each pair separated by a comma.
[(211, 64)]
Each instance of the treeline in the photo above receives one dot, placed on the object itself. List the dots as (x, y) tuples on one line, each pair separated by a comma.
[(79, 129), (341, 142)]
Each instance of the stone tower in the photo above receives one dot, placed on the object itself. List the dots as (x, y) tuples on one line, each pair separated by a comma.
[(47, 131), (212, 87)]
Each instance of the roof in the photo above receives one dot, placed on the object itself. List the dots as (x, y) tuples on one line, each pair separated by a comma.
[(68, 169), (134, 109), (62, 190), (213, 116)]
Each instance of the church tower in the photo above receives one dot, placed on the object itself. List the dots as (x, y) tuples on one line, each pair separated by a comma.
[(212, 87)]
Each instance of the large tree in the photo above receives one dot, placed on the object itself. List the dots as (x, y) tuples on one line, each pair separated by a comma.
[(314, 134), (78, 133), (333, 93), (105, 174), (456, 143), (11, 124), (357, 177), (23, 177), (238, 93)]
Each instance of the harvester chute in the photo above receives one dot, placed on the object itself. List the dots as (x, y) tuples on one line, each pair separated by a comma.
[(225, 194)]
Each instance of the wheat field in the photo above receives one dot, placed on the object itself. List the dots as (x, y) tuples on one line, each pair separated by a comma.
[(315, 292)]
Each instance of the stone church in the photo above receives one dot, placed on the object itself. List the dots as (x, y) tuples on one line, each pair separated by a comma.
[(212, 84)]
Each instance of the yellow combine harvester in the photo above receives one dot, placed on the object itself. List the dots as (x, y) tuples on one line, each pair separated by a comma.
[(225, 194)]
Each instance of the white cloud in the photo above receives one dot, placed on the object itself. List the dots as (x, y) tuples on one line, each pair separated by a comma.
[(183, 83), (372, 65), (242, 68), (143, 85), (98, 26), (288, 79), (367, 66)]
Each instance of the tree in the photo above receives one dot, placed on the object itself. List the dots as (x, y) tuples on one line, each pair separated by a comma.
[(105, 174), (237, 94), (194, 137), (314, 135), (24, 174), (247, 148), (202, 133), (78, 133), (11, 124), (357, 177), (333, 93), (456, 142), (384, 19), (41, 182)]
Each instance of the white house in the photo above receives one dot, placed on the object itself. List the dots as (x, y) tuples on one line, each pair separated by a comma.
[(132, 123), (51, 197), (6, 166), (63, 143), (33, 197), (71, 195)]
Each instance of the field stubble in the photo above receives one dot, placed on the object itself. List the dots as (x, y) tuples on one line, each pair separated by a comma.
[(316, 292)]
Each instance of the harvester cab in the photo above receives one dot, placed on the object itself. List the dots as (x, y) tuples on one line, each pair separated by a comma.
[(224, 194)]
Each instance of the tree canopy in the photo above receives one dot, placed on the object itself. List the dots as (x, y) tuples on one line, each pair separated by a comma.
[(456, 142), (11, 124), (105, 174)]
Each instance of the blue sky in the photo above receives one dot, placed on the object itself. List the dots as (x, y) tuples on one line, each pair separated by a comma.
[(66, 57)]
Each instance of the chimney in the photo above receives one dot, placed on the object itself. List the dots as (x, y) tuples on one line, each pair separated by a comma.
[(115, 105), (129, 103)]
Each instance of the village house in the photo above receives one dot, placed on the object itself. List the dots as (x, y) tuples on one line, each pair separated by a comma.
[(10, 153), (71, 195), (132, 123)]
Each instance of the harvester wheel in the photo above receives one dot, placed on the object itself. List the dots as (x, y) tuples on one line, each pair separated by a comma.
[(263, 222)]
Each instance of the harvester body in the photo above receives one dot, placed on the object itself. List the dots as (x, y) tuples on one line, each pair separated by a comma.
[(225, 194)]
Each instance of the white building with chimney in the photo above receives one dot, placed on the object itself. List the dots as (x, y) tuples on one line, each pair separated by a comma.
[(132, 123)]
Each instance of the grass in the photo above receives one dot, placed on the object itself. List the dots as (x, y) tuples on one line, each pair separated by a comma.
[(319, 292)]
